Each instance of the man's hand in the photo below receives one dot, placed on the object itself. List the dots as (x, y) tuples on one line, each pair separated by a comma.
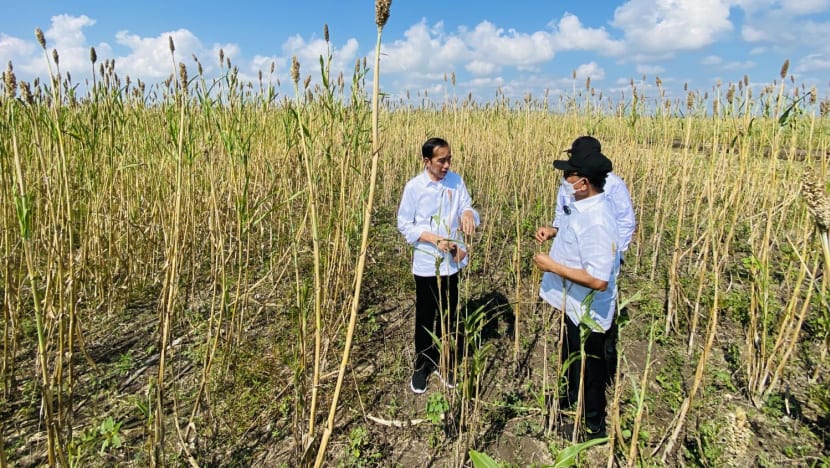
[(544, 262), (545, 233), (468, 223), (458, 254)]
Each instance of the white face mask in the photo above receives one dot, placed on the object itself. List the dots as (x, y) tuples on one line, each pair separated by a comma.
[(570, 191)]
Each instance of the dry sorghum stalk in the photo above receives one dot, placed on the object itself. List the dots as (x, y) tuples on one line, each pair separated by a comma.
[(817, 200)]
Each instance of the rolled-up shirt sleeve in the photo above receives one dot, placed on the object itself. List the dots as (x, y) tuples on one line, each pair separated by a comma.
[(598, 249), (406, 218), (465, 204), (560, 208), (623, 208)]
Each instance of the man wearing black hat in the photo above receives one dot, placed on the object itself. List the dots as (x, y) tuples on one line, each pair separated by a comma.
[(580, 276), (615, 191)]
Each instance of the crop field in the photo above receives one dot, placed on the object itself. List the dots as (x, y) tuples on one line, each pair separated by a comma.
[(207, 272)]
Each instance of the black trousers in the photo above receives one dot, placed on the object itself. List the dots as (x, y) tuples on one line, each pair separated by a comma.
[(433, 295), (598, 368)]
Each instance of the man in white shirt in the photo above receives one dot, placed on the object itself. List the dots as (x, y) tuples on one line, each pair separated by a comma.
[(580, 275), (615, 190), (618, 196), (435, 209)]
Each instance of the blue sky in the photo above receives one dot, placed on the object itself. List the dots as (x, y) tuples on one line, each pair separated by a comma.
[(519, 47)]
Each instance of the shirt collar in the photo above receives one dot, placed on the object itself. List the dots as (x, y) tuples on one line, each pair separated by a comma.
[(587, 203), (427, 180)]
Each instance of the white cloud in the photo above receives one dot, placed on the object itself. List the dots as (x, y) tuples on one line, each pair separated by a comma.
[(812, 63), (571, 35), (67, 32), (590, 70), (308, 53), (672, 25), (711, 60), (478, 67), (804, 7), (420, 50), (66, 36), (509, 48), (644, 69), (150, 57), (13, 48), (738, 66)]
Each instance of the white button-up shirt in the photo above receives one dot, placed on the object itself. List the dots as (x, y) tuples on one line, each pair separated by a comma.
[(617, 193), (427, 205), (587, 239)]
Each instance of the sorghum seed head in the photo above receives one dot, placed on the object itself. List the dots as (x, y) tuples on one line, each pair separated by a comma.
[(55, 56), (382, 12), (746, 80), (813, 94), (25, 92), (40, 39), (273, 66), (730, 95), (784, 68), (658, 81), (690, 100), (295, 69), (326, 32), (183, 73), (817, 200), (824, 108), (307, 81), (221, 57), (452, 78), (588, 83), (170, 44), (10, 81)]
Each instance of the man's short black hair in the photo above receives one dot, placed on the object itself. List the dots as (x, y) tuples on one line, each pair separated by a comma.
[(429, 146)]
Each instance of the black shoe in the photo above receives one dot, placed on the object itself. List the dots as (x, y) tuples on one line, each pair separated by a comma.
[(418, 384), (449, 381)]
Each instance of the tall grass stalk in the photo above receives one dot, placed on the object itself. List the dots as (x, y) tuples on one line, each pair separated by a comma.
[(24, 219), (381, 16), (173, 256)]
